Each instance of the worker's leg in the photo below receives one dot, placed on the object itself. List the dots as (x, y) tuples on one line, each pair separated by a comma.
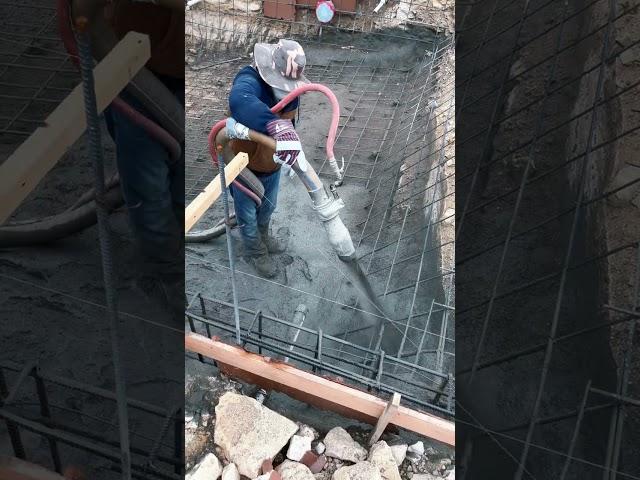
[(153, 187), (247, 220), (271, 185)]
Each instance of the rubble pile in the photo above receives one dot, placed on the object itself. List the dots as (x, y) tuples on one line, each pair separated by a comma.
[(250, 441)]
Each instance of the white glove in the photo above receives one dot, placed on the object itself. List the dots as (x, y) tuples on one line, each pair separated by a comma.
[(237, 130)]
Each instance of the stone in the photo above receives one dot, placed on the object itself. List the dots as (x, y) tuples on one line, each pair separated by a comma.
[(425, 476), (339, 444), (289, 470), (230, 472), (320, 448), (298, 446), (416, 449), (382, 457), (254, 7), (315, 462), (359, 471), (399, 452), (267, 466), (269, 476), (452, 475), (307, 431), (248, 432), (208, 468)]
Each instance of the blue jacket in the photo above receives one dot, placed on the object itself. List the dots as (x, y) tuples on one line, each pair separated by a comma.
[(251, 99)]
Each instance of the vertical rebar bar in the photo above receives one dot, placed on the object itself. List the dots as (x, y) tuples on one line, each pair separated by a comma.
[(95, 151), (232, 259)]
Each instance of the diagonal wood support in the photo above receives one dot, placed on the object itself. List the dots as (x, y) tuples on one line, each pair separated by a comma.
[(38, 154), (314, 390), (212, 192), (389, 412)]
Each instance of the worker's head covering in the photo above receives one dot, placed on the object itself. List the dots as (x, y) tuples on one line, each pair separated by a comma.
[(281, 65)]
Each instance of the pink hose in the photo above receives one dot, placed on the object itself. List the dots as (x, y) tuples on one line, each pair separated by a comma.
[(331, 138), (309, 87), (154, 130)]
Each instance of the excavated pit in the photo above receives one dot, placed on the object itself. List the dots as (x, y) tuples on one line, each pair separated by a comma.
[(395, 91)]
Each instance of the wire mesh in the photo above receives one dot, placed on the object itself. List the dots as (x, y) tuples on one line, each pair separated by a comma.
[(544, 116), (394, 77)]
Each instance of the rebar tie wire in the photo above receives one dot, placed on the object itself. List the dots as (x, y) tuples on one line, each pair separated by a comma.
[(104, 233)]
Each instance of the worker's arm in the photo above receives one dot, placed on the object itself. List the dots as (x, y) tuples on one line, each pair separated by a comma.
[(246, 106)]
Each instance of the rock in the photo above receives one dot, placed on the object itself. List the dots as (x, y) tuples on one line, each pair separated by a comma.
[(320, 448), (315, 462), (382, 457), (359, 471), (425, 476), (416, 449), (289, 470), (230, 472), (339, 444), (269, 476), (298, 446), (254, 7), (249, 433), (307, 431), (208, 468), (452, 475), (399, 453)]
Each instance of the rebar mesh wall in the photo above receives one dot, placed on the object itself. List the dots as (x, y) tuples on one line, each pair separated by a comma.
[(396, 138), (545, 124)]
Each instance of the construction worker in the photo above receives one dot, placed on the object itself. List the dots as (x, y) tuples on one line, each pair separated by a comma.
[(152, 182), (277, 69)]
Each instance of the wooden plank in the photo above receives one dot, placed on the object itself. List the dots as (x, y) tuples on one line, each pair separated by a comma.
[(210, 194), (31, 161), (12, 468), (389, 412), (318, 391)]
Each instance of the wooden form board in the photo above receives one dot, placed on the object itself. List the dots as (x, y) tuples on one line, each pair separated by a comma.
[(31, 161), (315, 390), (212, 192)]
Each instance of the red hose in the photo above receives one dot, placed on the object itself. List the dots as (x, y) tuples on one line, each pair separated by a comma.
[(331, 138), (154, 130)]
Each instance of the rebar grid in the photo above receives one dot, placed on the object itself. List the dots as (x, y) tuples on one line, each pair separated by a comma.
[(396, 123), (36, 73), (67, 429), (557, 202)]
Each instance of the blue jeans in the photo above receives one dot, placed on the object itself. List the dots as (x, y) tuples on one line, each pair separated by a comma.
[(153, 188), (251, 218)]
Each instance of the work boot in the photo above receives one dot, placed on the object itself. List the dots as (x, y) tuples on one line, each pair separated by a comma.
[(273, 244), (264, 265)]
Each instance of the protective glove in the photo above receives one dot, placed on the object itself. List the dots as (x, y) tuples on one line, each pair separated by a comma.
[(237, 130), (288, 146)]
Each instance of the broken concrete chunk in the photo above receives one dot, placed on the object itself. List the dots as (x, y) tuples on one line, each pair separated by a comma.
[(399, 453), (289, 470), (359, 471), (249, 433), (339, 444), (382, 457), (320, 448), (416, 449), (208, 468), (314, 461), (298, 446), (307, 431), (230, 472), (269, 476)]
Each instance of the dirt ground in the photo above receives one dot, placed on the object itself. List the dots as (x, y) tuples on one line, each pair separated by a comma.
[(544, 247)]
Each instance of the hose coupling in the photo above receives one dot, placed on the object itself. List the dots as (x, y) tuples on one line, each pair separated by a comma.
[(329, 209)]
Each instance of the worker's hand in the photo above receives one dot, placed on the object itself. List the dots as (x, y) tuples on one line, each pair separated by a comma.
[(288, 146), (237, 130)]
